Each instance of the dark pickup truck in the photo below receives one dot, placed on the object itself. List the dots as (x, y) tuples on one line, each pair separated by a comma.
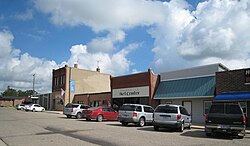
[(225, 117)]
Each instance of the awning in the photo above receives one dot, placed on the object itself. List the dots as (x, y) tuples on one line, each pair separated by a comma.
[(233, 96), (186, 88)]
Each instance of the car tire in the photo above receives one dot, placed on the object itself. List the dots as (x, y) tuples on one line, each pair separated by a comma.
[(78, 115), (43, 110), (87, 119), (141, 122), (156, 128), (124, 124), (99, 118), (181, 128), (68, 116), (33, 110), (189, 126)]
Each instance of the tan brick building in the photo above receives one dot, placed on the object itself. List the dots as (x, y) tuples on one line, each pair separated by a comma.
[(72, 81)]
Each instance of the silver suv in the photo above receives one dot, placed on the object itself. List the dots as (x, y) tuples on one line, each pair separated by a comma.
[(135, 113), (72, 109), (171, 116)]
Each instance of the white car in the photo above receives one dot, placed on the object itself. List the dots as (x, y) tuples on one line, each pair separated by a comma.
[(34, 108)]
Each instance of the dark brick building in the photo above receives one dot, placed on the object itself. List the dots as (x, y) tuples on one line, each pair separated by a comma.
[(234, 85), (136, 88), (94, 99)]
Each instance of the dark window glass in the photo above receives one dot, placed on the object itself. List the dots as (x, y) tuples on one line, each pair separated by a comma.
[(127, 108), (138, 109), (84, 106), (233, 109), (217, 108), (148, 110), (184, 111), (111, 110), (105, 109), (166, 109)]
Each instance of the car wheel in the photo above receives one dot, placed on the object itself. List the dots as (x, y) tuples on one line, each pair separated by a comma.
[(33, 110), (156, 128), (99, 118), (181, 128), (189, 126), (43, 110), (141, 122), (124, 124), (78, 115), (68, 116)]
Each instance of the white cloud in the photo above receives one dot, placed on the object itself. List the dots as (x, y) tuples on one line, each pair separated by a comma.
[(16, 69), (114, 64), (27, 15)]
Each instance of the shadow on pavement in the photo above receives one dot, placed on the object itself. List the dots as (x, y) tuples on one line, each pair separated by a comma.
[(202, 134), (151, 128)]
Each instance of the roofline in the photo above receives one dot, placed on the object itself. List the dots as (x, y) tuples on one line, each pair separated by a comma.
[(211, 75), (190, 97)]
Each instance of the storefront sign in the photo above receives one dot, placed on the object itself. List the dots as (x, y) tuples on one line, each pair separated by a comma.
[(247, 76), (72, 85), (131, 92)]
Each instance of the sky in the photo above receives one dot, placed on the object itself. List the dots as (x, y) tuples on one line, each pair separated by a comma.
[(120, 36)]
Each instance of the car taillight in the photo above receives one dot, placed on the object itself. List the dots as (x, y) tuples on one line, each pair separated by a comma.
[(134, 114), (179, 117), (206, 117), (72, 110), (244, 119)]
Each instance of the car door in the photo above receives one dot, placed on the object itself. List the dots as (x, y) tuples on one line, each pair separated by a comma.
[(186, 116), (113, 114), (148, 113), (105, 113)]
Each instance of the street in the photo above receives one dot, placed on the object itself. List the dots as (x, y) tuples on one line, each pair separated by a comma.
[(20, 128)]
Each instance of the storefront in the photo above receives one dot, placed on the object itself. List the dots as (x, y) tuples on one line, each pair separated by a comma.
[(193, 88), (136, 88), (93, 99), (234, 85)]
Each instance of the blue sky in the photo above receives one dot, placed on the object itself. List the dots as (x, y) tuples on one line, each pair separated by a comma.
[(124, 36)]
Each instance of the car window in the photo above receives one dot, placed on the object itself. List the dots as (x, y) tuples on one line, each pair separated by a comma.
[(217, 108), (183, 111), (84, 107), (105, 109), (127, 108), (233, 109), (69, 105), (75, 106), (93, 108), (138, 109), (111, 110), (166, 109), (36, 105), (148, 109)]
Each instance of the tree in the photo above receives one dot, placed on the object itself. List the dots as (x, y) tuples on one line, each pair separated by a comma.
[(19, 93)]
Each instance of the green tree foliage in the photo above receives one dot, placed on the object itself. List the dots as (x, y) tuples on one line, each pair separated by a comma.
[(18, 93)]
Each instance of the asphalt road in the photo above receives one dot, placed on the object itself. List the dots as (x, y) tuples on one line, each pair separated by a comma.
[(20, 128)]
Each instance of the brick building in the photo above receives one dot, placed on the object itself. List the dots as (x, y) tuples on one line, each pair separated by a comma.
[(94, 99), (135, 88), (234, 85), (69, 81)]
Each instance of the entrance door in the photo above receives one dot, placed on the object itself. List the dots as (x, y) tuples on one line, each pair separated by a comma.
[(188, 106)]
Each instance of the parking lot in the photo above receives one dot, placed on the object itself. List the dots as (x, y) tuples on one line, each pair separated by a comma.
[(20, 128)]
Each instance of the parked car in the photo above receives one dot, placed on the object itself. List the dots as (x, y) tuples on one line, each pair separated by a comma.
[(100, 113), (171, 116), (20, 106), (34, 108), (135, 113), (73, 109), (227, 117)]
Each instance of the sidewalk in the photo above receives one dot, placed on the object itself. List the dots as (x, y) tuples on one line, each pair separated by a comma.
[(54, 112)]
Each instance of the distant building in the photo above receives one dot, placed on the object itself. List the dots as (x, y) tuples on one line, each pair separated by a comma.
[(69, 81), (11, 101), (45, 100)]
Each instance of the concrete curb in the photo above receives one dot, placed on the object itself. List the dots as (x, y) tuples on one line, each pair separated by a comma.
[(54, 112)]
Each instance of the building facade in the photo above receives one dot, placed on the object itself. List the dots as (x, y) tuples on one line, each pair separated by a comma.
[(234, 85), (193, 88), (136, 88), (69, 81), (45, 100), (94, 99)]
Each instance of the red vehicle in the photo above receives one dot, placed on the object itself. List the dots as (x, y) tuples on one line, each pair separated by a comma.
[(100, 113)]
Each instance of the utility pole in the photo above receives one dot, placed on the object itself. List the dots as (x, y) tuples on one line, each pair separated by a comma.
[(34, 76)]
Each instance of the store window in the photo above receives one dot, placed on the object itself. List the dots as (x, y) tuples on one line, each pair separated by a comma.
[(206, 106)]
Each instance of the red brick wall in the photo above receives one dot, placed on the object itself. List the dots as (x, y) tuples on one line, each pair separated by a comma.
[(57, 74), (135, 80), (88, 98), (154, 81), (231, 81)]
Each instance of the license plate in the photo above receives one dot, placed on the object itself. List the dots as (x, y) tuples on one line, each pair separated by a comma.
[(223, 126)]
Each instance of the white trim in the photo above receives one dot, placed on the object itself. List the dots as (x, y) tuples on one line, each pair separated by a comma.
[(131, 92), (188, 78), (191, 97)]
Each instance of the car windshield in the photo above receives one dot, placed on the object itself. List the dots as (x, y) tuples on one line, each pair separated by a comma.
[(127, 108), (166, 109), (228, 108)]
